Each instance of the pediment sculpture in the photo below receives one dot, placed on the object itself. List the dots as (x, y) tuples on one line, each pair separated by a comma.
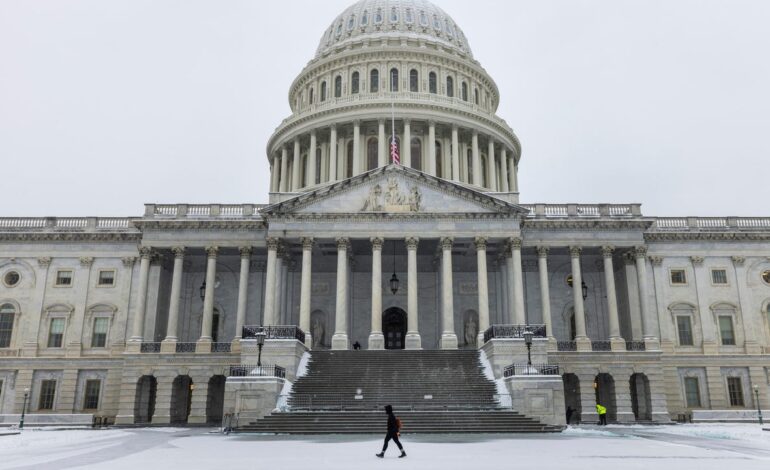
[(392, 199)]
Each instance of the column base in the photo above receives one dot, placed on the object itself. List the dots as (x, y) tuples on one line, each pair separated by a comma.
[(552, 345), (340, 341), (124, 419), (480, 340), (164, 419), (308, 340), (376, 341), (203, 346), (413, 341), (583, 344), (617, 344), (449, 341), (168, 346), (134, 347), (235, 346), (651, 344)]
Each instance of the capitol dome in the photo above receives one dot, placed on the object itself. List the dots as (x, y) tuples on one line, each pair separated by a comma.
[(387, 68), (377, 19)]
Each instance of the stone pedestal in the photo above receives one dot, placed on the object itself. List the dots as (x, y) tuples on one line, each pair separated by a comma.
[(251, 398), (617, 344), (413, 341), (340, 342), (448, 341), (280, 352), (583, 344), (134, 346), (203, 346), (506, 351), (168, 346), (538, 396), (376, 341)]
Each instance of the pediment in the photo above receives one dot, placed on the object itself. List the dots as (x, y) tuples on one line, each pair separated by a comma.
[(394, 190)]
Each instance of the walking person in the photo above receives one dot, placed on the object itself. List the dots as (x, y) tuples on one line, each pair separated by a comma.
[(394, 428), (602, 414)]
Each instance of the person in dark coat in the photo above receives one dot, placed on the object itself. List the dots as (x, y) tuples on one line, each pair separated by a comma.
[(569, 413), (393, 433)]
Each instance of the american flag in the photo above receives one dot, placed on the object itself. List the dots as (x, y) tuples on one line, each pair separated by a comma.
[(394, 152)]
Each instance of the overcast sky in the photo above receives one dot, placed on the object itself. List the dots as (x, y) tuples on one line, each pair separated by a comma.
[(106, 105)]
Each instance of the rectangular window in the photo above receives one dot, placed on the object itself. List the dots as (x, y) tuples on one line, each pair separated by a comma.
[(91, 399), (726, 330), (735, 391), (106, 278), (6, 328), (684, 327), (47, 394), (64, 277), (678, 276), (99, 337), (719, 276), (56, 333), (692, 392)]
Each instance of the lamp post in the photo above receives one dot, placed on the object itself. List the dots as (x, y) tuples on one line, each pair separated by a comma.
[(394, 279), (528, 341), (23, 408), (759, 408), (260, 335)]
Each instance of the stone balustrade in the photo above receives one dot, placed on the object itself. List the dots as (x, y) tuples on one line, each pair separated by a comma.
[(583, 210), (180, 211), (66, 224), (710, 224)]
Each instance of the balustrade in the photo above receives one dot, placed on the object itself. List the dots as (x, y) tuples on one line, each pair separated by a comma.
[(513, 331), (530, 369)]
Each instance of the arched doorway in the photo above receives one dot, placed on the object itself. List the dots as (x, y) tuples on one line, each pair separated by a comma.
[(181, 398), (144, 402), (641, 403), (215, 400), (572, 397), (604, 385), (394, 328)]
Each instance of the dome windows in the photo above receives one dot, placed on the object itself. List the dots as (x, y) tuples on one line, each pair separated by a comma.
[(436, 23), (394, 15), (372, 153), (378, 16), (449, 29), (423, 19), (311, 96), (432, 85), (394, 79), (337, 86), (464, 91), (351, 22), (339, 29), (374, 81), (450, 87), (414, 81), (364, 18), (354, 83), (408, 16), (11, 278), (323, 91), (416, 145), (476, 96)]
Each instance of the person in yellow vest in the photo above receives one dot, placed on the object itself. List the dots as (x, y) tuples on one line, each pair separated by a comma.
[(602, 414)]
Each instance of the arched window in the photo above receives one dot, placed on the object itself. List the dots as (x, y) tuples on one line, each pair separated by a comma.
[(349, 161), (436, 23), (378, 16), (394, 15), (303, 170), (351, 22), (423, 19), (394, 79), (476, 96), (450, 87), (365, 18), (432, 82), (469, 165), (338, 86), (483, 171), (464, 91), (374, 81), (318, 165), (414, 81), (354, 83), (323, 91), (439, 160), (7, 317), (372, 153), (311, 96), (416, 153), (408, 16)]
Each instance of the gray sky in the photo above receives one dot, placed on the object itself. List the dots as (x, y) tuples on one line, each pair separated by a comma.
[(106, 105)]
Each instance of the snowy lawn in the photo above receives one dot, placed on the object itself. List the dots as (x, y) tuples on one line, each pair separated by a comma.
[(683, 447)]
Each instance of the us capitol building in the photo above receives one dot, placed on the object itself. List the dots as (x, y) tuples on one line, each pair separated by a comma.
[(136, 318)]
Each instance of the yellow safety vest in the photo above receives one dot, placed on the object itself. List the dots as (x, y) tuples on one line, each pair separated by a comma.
[(601, 410)]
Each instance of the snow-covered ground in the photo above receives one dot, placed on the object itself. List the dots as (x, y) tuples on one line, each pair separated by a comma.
[(701, 447)]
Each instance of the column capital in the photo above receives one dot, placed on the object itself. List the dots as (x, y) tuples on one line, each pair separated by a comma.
[(656, 260), (515, 243), (307, 243), (128, 261), (446, 243), (474, 133), (377, 243), (407, 122), (356, 123), (333, 127), (696, 260), (381, 122), (455, 127), (738, 260), (211, 251), (411, 243), (607, 251), (145, 252), (481, 243), (542, 251), (640, 251), (46, 260), (245, 251), (431, 123), (178, 251), (574, 251), (343, 243), (312, 133), (272, 243), (86, 260)]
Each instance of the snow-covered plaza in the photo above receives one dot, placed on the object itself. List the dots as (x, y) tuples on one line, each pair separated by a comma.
[(698, 446)]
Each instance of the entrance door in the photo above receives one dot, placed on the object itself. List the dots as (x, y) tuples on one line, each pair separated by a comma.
[(394, 328)]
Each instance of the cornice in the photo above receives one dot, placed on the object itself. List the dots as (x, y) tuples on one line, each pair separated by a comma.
[(201, 224), (706, 236), (585, 225), (70, 236)]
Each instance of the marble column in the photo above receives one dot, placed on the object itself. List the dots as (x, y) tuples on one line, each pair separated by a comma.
[(406, 144), (514, 177), (376, 338), (173, 304), (295, 169), (519, 314), (340, 338), (483, 288), (448, 335), (432, 148), (311, 159), (306, 289), (382, 147), (356, 148), (491, 167), (204, 342), (413, 340), (269, 312), (243, 291), (651, 341), (476, 159), (504, 170), (455, 155), (333, 153), (581, 338), (275, 165), (283, 186), (137, 334), (545, 295), (617, 342)]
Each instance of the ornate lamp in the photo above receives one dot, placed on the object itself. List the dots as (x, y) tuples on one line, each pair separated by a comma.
[(260, 335), (528, 341), (24, 408), (394, 279), (756, 399), (202, 291), (584, 287)]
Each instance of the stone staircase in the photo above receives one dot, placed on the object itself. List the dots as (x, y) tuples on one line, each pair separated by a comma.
[(431, 391)]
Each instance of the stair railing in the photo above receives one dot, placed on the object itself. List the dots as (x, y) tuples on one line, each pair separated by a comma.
[(514, 331)]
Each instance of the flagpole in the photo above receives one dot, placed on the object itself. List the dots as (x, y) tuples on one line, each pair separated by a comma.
[(392, 123)]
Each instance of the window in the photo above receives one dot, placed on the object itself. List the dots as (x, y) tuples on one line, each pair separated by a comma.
[(323, 92), (408, 16), (449, 29), (692, 392), (436, 23), (351, 22), (378, 16), (106, 278), (374, 81), (678, 277), (726, 330), (47, 394), (469, 164), (99, 336), (450, 87), (393, 15), (684, 327), (354, 83), (365, 18), (215, 326), (64, 277), (735, 391), (766, 276), (423, 19), (349, 161), (372, 153), (91, 398), (311, 96), (476, 96), (416, 153), (11, 278), (318, 164), (414, 81), (394, 79), (719, 277), (7, 315), (339, 29), (432, 82), (56, 332), (483, 170), (338, 86), (439, 160), (464, 91)]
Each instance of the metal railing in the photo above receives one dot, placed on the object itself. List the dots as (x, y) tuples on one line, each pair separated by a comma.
[(533, 369), (566, 346), (150, 347), (253, 370), (635, 346), (220, 347), (185, 347), (513, 331), (399, 401), (601, 346), (274, 332)]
